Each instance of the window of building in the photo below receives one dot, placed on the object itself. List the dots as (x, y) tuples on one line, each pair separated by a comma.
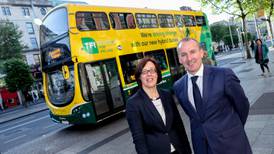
[(43, 11), (92, 21), (166, 20), (6, 11), (159, 56), (146, 20), (179, 21), (189, 20), (200, 20), (33, 42), (29, 27), (36, 58), (122, 20), (129, 63), (25, 11)]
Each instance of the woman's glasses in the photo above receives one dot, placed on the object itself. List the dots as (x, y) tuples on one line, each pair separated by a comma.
[(150, 71)]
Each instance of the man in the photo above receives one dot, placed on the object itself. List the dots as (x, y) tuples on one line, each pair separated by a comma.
[(215, 102)]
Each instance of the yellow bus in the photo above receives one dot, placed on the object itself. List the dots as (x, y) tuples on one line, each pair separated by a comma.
[(89, 54)]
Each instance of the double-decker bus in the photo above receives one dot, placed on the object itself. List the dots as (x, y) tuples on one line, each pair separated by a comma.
[(89, 55)]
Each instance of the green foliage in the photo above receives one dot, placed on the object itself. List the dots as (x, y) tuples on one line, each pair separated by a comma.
[(219, 31), (227, 40), (18, 75), (237, 8), (10, 46)]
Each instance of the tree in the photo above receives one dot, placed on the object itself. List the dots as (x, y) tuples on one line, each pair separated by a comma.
[(238, 8), (267, 5), (10, 46), (220, 32), (227, 40), (18, 76)]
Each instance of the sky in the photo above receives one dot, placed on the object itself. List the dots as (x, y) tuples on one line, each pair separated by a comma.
[(160, 4)]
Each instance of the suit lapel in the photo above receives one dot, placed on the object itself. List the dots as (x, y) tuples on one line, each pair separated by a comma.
[(206, 82), (167, 108), (152, 109)]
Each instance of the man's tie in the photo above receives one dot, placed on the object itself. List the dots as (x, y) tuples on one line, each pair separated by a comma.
[(197, 97)]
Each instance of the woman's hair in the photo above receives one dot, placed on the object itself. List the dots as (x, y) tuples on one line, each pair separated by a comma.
[(259, 40), (141, 65)]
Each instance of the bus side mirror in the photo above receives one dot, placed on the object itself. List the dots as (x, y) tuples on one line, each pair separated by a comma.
[(65, 71)]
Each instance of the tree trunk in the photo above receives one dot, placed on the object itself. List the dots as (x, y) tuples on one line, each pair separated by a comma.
[(248, 55)]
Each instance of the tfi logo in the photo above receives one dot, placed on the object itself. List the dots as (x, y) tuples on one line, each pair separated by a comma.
[(89, 45)]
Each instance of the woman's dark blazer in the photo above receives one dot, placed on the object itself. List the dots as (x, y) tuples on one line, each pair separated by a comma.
[(150, 134)]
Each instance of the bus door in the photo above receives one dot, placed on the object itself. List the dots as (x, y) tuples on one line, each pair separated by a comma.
[(104, 86)]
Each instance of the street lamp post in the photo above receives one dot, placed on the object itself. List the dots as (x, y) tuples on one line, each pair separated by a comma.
[(240, 41), (231, 38), (256, 26)]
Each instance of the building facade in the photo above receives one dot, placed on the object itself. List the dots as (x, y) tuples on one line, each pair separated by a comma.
[(22, 14)]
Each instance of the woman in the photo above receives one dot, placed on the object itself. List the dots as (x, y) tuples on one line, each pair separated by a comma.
[(261, 57), (152, 115)]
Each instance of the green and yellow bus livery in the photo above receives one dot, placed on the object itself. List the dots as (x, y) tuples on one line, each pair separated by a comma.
[(89, 55)]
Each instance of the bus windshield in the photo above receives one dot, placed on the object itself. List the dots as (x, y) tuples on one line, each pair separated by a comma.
[(60, 90)]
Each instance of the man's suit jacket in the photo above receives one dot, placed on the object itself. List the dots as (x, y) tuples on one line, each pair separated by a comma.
[(150, 134), (225, 112)]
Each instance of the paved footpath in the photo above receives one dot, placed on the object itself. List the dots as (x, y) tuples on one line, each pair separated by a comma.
[(259, 90)]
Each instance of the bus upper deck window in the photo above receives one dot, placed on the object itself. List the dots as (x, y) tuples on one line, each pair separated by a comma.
[(122, 20), (179, 21), (92, 21), (200, 20), (166, 20), (189, 20), (145, 20)]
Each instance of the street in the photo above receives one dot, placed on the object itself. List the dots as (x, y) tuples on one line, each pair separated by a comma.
[(36, 133), (25, 129)]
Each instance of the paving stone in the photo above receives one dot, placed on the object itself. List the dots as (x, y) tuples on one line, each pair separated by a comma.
[(262, 150), (252, 134), (264, 141)]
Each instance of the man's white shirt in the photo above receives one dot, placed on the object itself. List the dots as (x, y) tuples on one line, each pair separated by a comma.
[(199, 82)]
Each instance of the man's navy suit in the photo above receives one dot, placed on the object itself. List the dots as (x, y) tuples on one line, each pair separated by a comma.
[(225, 109), (150, 134)]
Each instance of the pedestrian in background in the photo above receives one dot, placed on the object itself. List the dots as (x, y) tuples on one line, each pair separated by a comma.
[(261, 56), (34, 97), (215, 102), (252, 45), (152, 115)]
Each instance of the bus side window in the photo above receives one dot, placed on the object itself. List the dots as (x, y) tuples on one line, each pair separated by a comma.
[(80, 21), (129, 63), (116, 24), (146, 20), (179, 21), (200, 20), (189, 20), (130, 21), (122, 20), (91, 21), (159, 56), (166, 20)]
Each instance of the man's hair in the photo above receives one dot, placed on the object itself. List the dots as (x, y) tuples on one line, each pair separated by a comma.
[(187, 39)]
